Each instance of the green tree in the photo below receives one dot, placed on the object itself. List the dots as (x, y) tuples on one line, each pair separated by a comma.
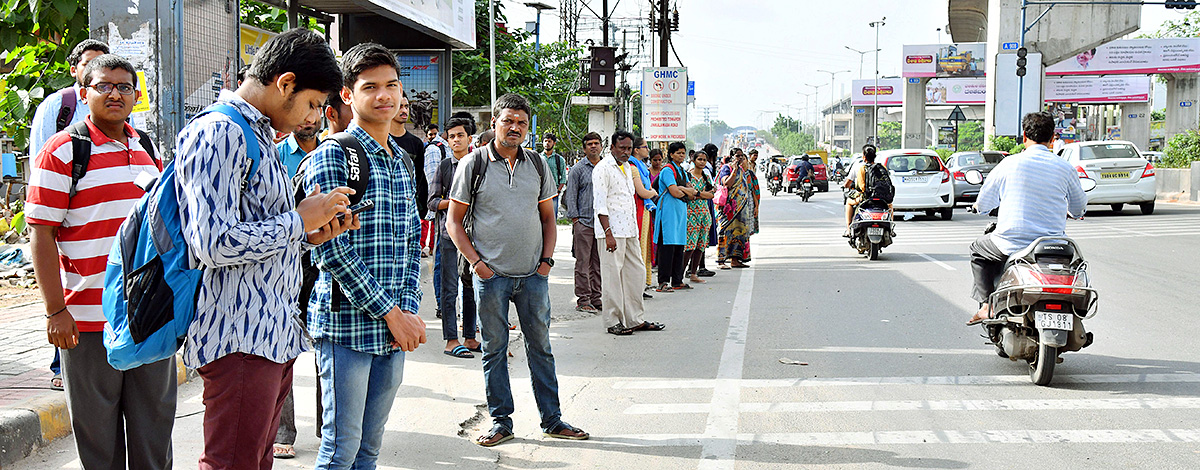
[(1182, 150), (1186, 27), (784, 124), (270, 18), (549, 89), (889, 135), (1158, 114), (1002, 144), (36, 36), (970, 136)]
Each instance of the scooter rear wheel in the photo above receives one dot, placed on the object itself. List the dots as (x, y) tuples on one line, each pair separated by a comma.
[(1041, 368), (873, 252)]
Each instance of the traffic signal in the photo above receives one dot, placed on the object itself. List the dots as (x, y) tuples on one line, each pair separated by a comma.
[(1181, 4), (602, 75), (1021, 61)]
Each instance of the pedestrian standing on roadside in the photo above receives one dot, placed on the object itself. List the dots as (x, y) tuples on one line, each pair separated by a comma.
[(644, 206), (699, 219), (414, 149), (248, 234), (671, 221), (54, 114), (508, 241), (435, 150), (738, 218), (119, 418), (453, 274), (365, 301), (558, 166), (650, 252), (291, 152), (614, 185), (578, 200)]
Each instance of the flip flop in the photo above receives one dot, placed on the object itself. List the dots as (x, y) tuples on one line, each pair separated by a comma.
[(682, 287), (56, 382), (284, 451), (459, 351), (478, 350), (650, 326)]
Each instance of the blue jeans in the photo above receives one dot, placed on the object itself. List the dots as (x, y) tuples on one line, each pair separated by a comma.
[(357, 391), (531, 296), (437, 274), (451, 279)]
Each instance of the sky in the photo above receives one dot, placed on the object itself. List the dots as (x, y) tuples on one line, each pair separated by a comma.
[(754, 59)]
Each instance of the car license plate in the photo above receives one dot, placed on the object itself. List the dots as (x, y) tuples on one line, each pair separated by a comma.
[(914, 179), (1114, 175), (1054, 320), (875, 231)]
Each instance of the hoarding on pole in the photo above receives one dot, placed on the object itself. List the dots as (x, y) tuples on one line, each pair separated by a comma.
[(890, 92), (939, 91), (1134, 57), (664, 103), (1113, 89), (944, 60)]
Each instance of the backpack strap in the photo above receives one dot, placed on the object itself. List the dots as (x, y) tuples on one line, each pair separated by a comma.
[(537, 160), (66, 110), (81, 152), (357, 164), (253, 150), (148, 146)]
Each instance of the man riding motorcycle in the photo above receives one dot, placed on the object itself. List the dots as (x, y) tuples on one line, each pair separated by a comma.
[(804, 169), (1038, 191), (856, 182)]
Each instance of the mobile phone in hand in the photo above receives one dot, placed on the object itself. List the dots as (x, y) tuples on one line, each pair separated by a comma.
[(358, 209)]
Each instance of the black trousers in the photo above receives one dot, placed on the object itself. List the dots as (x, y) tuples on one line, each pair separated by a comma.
[(670, 264), (987, 263)]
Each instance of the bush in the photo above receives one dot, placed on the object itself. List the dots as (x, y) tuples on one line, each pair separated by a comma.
[(942, 153), (1182, 150), (1004, 144)]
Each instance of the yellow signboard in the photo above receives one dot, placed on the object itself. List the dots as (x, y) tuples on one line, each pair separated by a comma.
[(143, 102), (252, 39)]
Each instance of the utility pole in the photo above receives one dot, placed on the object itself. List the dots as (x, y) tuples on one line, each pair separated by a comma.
[(663, 21), (492, 46), (875, 109), (604, 22), (709, 112)]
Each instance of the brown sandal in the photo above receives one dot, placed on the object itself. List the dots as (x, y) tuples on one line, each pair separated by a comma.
[(494, 437), (566, 431)]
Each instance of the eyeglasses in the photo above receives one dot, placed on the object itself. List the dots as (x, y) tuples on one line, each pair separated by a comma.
[(106, 88)]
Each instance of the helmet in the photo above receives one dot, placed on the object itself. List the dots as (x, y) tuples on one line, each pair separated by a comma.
[(805, 158)]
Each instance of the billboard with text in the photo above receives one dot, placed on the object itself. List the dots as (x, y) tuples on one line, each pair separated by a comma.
[(1134, 56), (1118, 89), (944, 60)]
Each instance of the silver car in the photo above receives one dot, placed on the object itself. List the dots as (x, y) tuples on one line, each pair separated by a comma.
[(961, 162)]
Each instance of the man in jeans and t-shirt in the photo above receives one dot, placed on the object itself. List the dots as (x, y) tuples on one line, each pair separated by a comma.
[(557, 164), (578, 200), (510, 248), (115, 415), (450, 277)]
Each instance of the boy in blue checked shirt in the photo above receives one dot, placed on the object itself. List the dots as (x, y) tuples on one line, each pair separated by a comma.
[(363, 307)]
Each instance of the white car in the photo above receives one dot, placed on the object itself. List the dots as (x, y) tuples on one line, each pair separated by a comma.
[(1122, 176), (922, 181)]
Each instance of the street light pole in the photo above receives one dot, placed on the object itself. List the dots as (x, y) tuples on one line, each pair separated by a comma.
[(537, 65), (832, 100), (816, 97), (861, 54), (492, 45), (875, 109)]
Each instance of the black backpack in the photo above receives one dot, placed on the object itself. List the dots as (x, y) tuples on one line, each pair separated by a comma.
[(479, 170), (66, 110), (359, 172), (878, 184), (81, 150)]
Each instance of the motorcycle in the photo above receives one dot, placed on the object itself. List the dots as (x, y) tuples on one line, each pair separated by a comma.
[(774, 184), (806, 189), (1042, 296), (872, 228)]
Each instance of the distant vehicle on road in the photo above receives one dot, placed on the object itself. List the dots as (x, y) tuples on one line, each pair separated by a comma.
[(922, 181), (1153, 157), (962, 162), (791, 178), (1122, 175)]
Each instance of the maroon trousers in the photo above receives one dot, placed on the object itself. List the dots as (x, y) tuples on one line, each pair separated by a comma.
[(243, 395)]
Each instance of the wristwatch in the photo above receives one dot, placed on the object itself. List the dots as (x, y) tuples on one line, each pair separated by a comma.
[(548, 261)]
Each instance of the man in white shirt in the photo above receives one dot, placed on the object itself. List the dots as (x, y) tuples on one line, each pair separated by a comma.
[(621, 267), (1038, 191)]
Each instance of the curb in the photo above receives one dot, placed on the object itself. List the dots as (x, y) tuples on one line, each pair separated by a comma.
[(39, 421)]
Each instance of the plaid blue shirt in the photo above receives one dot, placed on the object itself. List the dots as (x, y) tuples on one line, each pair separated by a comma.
[(376, 267)]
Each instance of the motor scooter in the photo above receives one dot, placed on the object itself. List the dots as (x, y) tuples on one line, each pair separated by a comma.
[(806, 189), (774, 184), (1042, 297), (872, 228)]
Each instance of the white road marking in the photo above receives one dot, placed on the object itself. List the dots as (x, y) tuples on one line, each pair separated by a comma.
[(1022, 379), (864, 438), (881, 350), (939, 263), (930, 405), (720, 449)]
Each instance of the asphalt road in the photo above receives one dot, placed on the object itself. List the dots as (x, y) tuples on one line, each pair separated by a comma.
[(890, 377)]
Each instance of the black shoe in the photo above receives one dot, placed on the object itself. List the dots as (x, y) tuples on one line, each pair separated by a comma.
[(619, 330), (439, 313), (647, 296), (706, 273)]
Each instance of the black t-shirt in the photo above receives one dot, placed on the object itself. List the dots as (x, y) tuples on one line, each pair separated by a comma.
[(415, 149)]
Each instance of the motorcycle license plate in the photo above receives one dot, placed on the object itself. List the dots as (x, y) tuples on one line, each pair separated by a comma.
[(875, 231), (1054, 320)]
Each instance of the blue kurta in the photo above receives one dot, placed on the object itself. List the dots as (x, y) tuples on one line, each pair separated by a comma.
[(670, 223)]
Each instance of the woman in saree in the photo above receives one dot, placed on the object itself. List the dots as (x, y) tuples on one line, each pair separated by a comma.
[(739, 216)]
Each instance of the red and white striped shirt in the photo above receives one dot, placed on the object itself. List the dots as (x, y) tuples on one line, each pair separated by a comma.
[(87, 222)]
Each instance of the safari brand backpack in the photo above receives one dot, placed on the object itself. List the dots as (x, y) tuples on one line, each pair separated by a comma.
[(150, 286)]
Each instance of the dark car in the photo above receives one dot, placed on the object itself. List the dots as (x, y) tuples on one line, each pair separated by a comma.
[(820, 178), (959, 163)]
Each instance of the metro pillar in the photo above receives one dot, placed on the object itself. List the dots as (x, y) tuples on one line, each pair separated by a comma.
[(1135, 124), (861, 127), (1183, 103), (914, 113)]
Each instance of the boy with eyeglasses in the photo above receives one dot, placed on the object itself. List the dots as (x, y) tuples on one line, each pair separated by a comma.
[(119, 418)]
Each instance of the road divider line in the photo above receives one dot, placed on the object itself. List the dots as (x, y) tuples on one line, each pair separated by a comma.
[(934, 261), (881, 350), (1022, 379), (922, 437), (720, 433)]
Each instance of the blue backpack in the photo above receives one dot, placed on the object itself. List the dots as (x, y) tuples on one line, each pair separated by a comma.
[(150, 287)]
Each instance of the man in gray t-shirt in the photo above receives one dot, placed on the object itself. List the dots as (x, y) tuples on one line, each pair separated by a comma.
[(509, 249)]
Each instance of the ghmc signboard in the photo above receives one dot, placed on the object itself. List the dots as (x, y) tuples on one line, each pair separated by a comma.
[(664, 103)]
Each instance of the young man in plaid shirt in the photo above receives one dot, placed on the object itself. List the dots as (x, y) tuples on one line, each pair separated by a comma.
[(363, 308)]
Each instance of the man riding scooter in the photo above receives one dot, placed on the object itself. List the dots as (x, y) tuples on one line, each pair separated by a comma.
[(857, 181), (1038, 192), (804, 170)]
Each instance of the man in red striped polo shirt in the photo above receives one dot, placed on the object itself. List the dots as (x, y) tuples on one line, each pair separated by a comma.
[(74, 225)]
